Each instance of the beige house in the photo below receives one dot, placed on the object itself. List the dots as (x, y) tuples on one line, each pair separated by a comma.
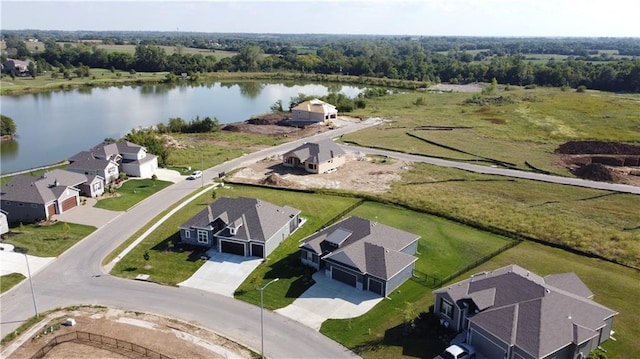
[(315, 157), (313, 111)]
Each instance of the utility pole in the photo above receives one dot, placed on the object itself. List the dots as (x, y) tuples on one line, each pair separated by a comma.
[(33, 295), (261, 289)]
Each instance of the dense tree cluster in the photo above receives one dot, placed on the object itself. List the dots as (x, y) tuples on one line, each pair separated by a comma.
[(590, 62), (7, 126)]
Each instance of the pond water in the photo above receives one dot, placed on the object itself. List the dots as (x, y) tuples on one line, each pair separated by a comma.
[(53, 126)]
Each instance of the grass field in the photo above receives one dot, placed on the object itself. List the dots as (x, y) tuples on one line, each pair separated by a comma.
[(132, 192), (47, 240), (8, 281)]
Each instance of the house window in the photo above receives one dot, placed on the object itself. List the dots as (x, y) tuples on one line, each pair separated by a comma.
[(97, 186), (446, 308), (187, 234), (202, 237), (312, 166)]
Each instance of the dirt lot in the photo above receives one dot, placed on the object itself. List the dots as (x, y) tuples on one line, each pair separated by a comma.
[(359, 173), (171, 338), (602, 161)]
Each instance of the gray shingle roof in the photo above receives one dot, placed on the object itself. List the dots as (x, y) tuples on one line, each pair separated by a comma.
[(40, 190), (316, 152), (369, 247), (539, 315), (255, 219)]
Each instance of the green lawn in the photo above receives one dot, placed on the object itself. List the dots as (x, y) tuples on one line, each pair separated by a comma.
[(171, 267), (48, 240), (8, 281), (132, 192), (377, 334)]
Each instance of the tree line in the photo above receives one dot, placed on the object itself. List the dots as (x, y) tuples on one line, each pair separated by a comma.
[(385, 57)]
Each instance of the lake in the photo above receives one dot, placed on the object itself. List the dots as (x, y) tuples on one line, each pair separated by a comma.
[(53, 126)]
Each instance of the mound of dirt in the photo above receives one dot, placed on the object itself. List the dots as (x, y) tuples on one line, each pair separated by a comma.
[(275, 180), (596, 172), (597, 147)]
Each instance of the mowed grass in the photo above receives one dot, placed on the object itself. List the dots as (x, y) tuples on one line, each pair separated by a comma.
[(132, 192), (527, 130), (8, 281), (172, 267), (445, 247), (593, 221), (47, 240)]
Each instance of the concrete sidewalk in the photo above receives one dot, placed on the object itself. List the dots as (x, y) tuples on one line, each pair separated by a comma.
[(329, 299)]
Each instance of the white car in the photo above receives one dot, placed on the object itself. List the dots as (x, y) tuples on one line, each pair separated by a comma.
[(459, 351), (194, 175)]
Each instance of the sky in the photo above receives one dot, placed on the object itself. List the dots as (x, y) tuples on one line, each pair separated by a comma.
[(504, 18)]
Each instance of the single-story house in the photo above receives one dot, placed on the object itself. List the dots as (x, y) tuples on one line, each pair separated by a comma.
[(86, 163), (315, 157), (514, 313), (4, 223), (243, 226), (134, 159), (363, 254), (313, 111), (30, 199)]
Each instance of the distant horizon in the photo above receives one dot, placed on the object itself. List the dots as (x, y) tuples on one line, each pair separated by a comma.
[(424, 18)]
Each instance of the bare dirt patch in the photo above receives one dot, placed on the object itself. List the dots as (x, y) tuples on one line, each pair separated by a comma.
[(171, 338), (359, 173), (457, 88), (602, 161)]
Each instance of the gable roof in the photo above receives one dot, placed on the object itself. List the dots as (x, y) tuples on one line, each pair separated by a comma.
[(253, 219), (369, 247), (317, 106), (316, 152), (41, 190), (539, 315)]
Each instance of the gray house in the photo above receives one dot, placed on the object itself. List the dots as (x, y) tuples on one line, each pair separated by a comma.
[(88, 164), (363, 254), (31, 199), (513, 313), (107, 160), (242, 226), (315, 157)]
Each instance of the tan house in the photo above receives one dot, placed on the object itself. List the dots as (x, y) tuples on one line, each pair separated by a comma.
[(315, 157), (313, 111)]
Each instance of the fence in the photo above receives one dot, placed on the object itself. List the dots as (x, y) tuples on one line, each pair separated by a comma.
[(123, 347), (435, 282)]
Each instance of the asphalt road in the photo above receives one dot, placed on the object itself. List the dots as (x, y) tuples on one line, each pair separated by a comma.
[(500, 171), (78, 278)]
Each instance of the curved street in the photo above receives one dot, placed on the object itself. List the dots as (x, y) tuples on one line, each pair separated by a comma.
[(78, 278)]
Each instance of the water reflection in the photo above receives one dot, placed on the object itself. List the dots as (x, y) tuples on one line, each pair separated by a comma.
[(55, 125), (9, 149)]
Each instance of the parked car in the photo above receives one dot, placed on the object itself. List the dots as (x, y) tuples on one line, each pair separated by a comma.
[(194, 175), (458, 351)]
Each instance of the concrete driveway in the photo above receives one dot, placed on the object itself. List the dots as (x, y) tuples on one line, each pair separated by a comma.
[(329, 299), (88, 215), (14, 262), (222, 273)]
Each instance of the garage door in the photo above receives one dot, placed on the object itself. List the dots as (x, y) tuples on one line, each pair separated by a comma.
[(375, 286), (257, 250), (486, 346), (233, 248), (51, 209), (343, 276), (69, 203)]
